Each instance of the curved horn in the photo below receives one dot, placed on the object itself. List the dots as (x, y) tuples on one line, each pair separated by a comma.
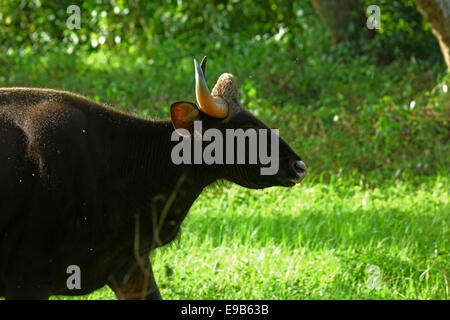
[(213, 106), (203, 65)]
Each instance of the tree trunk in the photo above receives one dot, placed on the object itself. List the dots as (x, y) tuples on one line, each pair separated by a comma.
[(345, 20), (437, 13)]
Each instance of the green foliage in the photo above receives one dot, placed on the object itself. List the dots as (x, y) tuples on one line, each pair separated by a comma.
[(403, 33), (40, 26)]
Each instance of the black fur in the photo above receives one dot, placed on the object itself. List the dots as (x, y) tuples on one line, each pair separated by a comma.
[(85, 184)]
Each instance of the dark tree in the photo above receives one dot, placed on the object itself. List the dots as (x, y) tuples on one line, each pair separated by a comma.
[(345, 20)]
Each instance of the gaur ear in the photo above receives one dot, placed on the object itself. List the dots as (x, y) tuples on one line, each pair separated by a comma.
[(183, 115)]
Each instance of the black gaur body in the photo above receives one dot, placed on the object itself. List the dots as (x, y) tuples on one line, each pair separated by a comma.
[(85, 184)]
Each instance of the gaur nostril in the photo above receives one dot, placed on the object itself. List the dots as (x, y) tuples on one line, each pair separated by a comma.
[(299, 168), (301, 165)]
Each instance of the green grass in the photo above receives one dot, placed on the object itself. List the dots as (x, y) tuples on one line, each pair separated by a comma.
[(314, 241)]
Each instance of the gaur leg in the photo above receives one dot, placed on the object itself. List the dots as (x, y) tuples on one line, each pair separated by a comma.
[(29, 257), (136, 282), (27, 291), (28, 276)]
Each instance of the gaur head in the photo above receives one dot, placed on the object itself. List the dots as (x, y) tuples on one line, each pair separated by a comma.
[(246, 151)]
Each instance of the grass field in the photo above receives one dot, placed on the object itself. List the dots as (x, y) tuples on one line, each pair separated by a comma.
[(314, 241)]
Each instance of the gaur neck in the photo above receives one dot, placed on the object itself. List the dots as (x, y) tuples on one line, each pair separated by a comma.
[(146, 171)]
